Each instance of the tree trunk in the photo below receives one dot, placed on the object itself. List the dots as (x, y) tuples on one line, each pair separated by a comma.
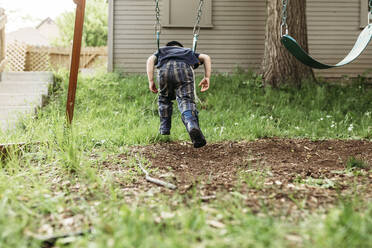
[(279, 66)]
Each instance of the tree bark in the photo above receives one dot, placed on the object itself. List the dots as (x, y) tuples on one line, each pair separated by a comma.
[(279, 66)]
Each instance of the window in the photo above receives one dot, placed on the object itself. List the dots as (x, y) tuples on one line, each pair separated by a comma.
[(364, 8), (182, 13)]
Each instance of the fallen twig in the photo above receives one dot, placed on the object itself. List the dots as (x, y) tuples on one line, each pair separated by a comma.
[(154, 180), (208, 198), (5, 148), (50, 240)]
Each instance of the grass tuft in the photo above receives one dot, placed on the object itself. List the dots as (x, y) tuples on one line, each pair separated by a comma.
[(355, 163)]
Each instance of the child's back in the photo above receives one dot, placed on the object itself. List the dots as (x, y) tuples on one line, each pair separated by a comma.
[(176, 81)]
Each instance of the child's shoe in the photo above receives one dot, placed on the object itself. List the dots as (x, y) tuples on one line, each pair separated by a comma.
[(192, 127)]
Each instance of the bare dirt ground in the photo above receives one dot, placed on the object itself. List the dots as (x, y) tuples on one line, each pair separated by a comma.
[(267, 173)]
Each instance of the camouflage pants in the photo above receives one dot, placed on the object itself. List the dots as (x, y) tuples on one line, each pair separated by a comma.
[(176, 81)]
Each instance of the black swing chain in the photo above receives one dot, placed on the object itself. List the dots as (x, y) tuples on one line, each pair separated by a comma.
[(284, 24), (157, 14), (157, 23), (370, 12), (196, 30)]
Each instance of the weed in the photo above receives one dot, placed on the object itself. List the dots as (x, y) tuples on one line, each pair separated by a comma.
[(320, 182), (355, 163), (252, 178), (300, 203)]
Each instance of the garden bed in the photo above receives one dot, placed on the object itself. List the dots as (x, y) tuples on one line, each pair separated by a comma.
[(285, 173)]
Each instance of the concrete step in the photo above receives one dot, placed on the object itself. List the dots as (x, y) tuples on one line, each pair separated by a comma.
[(8, 124), (27, 76), (11, 115), (14, 112), (9, 87), (31, 100), (20, 94)]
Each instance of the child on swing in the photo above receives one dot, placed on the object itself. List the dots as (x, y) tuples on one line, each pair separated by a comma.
[(176, 78)]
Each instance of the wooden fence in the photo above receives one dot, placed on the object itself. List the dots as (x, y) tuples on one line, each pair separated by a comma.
[(2, 39), (22, 57)]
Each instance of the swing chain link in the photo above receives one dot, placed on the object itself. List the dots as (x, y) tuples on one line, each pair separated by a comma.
[(284, 25), (369, 12), (196, 30), (157, 14)]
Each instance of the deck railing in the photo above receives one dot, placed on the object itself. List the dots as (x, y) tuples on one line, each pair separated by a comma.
[(2, 39)]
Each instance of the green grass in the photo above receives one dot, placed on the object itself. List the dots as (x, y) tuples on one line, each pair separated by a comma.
[(65, 176), (355, 163), (112, 111)]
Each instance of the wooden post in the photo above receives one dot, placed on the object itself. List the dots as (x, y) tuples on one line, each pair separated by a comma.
[(75, 59)]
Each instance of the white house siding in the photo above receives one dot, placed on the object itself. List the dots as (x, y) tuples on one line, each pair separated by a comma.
[(237, 36), (333, 27)]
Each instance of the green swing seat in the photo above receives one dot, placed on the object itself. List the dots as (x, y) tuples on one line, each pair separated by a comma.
[(296, 50)]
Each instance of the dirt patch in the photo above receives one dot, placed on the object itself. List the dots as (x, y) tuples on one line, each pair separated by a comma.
[(294, 174)]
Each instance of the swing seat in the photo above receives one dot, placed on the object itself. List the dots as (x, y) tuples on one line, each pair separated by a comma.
[(296, 50)]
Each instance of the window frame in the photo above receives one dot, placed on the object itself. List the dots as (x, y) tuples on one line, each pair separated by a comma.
[(364, 8), (207, 21)]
